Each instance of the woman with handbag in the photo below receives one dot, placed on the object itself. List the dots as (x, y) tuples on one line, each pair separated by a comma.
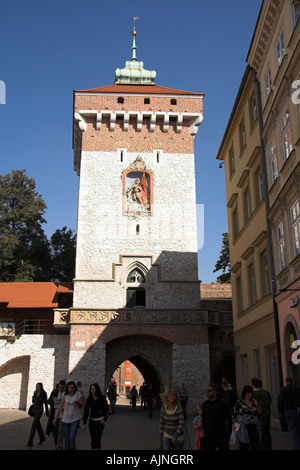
[(246, 415), (39, 400)]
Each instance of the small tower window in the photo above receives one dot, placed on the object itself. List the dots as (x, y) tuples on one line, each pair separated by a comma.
[(146, 100), (135, 298), (173, 101), (120, 99), (137, 229), (136, 293)]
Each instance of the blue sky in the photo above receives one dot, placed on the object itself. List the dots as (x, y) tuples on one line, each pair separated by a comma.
[(50, 48)]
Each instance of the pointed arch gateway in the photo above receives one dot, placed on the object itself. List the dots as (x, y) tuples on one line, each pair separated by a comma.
[(151, 355)]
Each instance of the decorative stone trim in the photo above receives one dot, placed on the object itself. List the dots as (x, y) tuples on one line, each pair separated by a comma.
[(140, 315)]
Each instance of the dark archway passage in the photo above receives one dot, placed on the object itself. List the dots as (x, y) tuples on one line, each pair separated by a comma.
[(150, 355)]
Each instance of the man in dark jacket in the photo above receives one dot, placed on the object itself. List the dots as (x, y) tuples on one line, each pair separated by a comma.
[(264, 399), (217, 421), (289, 404)]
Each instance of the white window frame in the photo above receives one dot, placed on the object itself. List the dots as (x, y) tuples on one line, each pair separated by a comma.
[(286, 133), (273, 159), (280, 246), (295, 11), (268, 84), (280, 49), (252, 284), (295, 226)]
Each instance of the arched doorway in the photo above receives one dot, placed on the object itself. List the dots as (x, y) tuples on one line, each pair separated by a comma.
[(150, 355)]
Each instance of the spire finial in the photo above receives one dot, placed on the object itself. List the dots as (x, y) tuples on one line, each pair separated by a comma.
[(134, 72), (134, 35)]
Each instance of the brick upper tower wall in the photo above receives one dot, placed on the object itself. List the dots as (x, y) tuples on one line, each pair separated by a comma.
[(159, 124)]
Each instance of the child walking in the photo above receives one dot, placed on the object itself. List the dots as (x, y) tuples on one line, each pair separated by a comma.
[(199, 428)]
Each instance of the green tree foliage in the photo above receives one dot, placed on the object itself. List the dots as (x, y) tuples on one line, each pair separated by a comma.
[(63, 251), (26, 254), (224, 261), (24, 248)]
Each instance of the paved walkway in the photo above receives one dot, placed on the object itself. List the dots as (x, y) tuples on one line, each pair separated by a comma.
[(124, 430)]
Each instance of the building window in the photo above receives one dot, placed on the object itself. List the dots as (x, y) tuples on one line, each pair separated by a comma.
[(295, 226), (252, 288), (273, 160), (265, 274), (146, 100), (286, 133), (135, 294), (295, 6), (257, 363), (173, 101), (242, 133), (120, 99), (135, 297), (235, 223), (280, 246), (268, 84), (259, 190), (280, 49), (247, 204), (252, 111), (239, 294), (231, 161)]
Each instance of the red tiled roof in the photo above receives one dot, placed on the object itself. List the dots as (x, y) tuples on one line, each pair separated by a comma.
[(216, 291), (145, 89), (31, 294)]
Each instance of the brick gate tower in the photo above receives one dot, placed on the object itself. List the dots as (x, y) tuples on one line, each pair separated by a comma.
[(136, 288)]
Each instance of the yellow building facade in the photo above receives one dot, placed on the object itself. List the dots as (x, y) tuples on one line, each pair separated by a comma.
[(260, 149)]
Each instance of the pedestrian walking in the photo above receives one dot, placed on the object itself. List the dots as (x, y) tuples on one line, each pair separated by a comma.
[(171, 425), (264, 399), (198, 426), (246, 414), (39, 401), (71, 403), (97, 409), (289, 406), (112, 395), (54, 402), (143, 391), (150, 397), (217, 421), (133, 397), (183, 394), (228, 395)]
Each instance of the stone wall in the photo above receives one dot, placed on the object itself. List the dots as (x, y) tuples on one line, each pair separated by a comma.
[(108, 241), (28, 360)]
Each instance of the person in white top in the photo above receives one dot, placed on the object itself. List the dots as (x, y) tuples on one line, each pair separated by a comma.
[(72, 402)]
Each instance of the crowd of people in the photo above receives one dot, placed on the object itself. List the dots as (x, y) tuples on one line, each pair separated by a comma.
[(65, 409), (223, 420)]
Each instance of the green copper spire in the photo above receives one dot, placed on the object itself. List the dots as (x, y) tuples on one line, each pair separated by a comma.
[(133, 58), (134, 72)]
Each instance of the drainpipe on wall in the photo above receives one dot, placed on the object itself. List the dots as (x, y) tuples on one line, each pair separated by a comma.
[(269, 231)]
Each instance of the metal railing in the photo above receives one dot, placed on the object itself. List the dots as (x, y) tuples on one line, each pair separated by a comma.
[(31, 326)]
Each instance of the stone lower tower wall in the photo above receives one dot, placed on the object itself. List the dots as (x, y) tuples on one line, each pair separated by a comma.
[(106, 232)]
